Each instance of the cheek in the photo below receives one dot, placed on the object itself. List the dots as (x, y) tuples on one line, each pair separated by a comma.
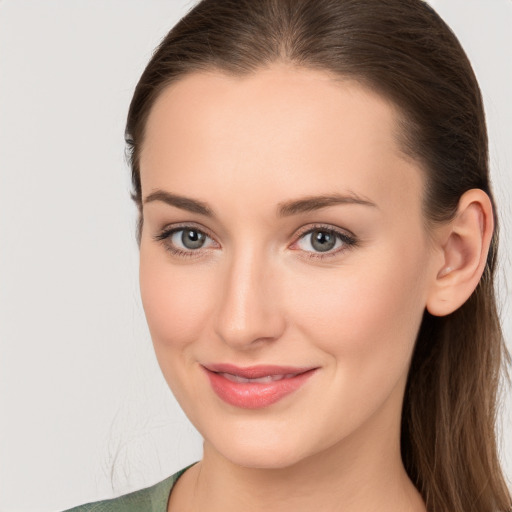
[(177, 304), (365, 313), (176, 301)]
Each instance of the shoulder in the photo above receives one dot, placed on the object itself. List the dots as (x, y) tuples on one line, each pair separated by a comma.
[(150, 499)]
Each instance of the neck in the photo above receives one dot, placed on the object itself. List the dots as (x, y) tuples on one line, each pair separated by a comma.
[(343, 478)]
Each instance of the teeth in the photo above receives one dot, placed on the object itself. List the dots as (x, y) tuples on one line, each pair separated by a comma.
[(262, 380)]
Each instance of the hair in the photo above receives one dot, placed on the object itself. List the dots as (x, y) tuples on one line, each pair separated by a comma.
[(402, 50)]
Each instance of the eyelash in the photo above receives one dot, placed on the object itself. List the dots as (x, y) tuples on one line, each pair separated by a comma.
[(349, 241), (165, 235)]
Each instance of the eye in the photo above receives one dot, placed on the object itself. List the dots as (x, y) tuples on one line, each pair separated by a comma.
[(185, 240), (324, 242), (189, 238)]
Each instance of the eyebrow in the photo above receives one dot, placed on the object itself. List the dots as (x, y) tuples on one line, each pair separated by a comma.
[(185, 203), (284, 209), (311, 203)]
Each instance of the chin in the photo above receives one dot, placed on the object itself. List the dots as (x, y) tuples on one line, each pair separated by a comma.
[(261, 457), (259, 446)]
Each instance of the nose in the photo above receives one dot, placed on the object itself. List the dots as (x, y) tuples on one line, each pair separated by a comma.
[(248, 312)]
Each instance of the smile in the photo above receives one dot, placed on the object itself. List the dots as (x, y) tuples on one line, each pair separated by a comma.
[(255, 387), (268, 378)]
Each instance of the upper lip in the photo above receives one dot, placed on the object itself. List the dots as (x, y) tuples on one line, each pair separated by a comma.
[(258, 371)]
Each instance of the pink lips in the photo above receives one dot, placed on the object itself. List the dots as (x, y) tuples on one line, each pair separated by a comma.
[(255, 387)]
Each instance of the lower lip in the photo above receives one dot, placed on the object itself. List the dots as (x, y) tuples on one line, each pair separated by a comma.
[(255, 395)]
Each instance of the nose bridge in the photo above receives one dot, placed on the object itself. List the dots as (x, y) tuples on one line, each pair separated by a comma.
[(246, 311)]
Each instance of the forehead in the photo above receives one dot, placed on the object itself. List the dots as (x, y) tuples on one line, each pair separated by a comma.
[(300, 130)]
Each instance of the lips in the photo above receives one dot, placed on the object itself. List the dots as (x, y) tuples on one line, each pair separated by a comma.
[(263, 380), (255, 387)]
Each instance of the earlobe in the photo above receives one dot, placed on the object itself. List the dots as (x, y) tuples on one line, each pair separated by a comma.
[(464, 244)]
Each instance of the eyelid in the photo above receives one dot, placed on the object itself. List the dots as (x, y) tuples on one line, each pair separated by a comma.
[(328, 227), (349, 240), (183, 225), (164, 235)]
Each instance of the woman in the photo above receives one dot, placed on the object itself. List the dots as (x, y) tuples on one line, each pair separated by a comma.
[(317, 247)]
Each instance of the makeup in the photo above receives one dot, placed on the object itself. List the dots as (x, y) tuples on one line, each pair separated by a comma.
[(292, 327), (255, 387)]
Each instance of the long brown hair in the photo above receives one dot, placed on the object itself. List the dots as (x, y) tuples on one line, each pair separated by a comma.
[(404, 51)]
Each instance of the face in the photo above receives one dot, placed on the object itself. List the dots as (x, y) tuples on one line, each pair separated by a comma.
[(284, 266)]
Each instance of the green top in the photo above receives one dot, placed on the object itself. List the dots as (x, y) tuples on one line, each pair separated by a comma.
[(151, 499)]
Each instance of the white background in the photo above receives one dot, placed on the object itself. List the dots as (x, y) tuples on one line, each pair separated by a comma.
[(84, 411)]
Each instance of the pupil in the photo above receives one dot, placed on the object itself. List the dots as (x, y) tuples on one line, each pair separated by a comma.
[(192, 239), (323, 240)]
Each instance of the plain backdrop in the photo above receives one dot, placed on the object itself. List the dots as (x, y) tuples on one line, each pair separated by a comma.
[(84, 411)]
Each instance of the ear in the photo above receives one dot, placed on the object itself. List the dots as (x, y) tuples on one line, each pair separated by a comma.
[(464, 244)]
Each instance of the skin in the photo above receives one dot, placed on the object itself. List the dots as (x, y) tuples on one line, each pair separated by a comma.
[(257, 292)]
